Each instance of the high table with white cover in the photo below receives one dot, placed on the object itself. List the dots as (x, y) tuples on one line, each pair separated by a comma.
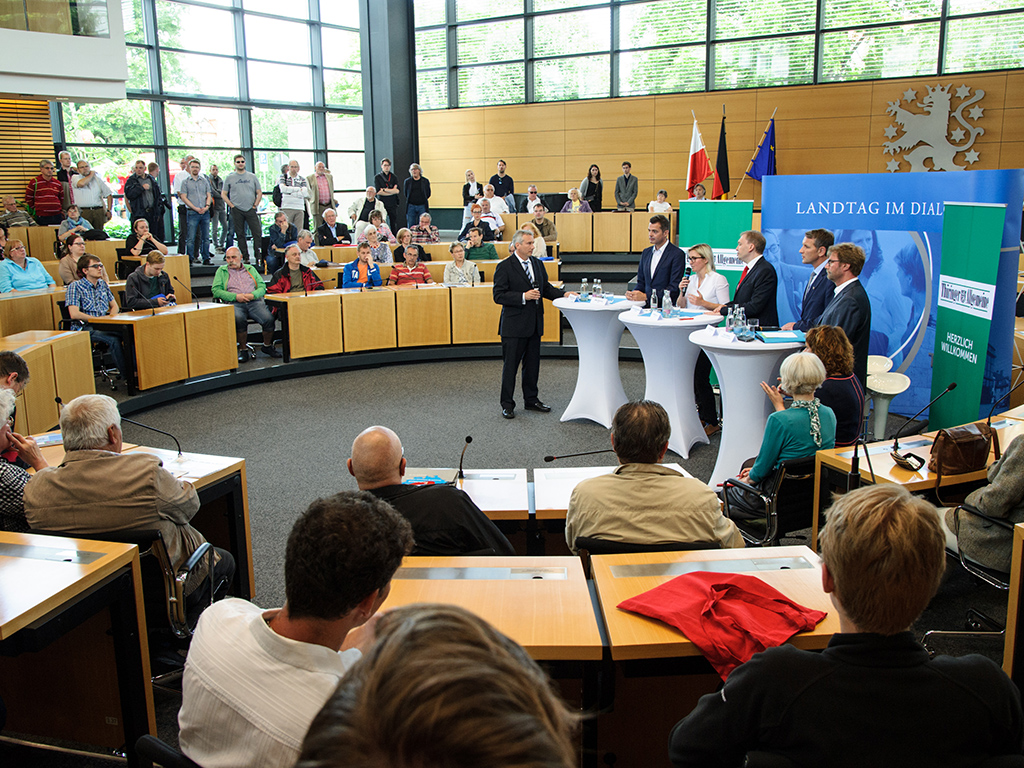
[(599, 391), (669, 360), (741, 367)]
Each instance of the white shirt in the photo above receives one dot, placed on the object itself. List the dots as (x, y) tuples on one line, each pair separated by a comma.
[(249, 694), (308, 258), (841, 287), (655, 207), (656, 258), (92, 195), (498, 205), (714, 288)]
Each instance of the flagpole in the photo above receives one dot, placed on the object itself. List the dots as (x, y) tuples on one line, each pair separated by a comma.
[(751, 163)]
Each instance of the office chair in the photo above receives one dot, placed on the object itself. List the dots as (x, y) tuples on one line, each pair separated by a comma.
[(156, 752), (102, 362), (784, 503), (123, 268), (977, 623), (588, 546)]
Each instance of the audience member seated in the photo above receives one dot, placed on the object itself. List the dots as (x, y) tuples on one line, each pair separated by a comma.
[(361, 272), (67, 267), (148, 286), (459, 271), (874, 697), (496, 223), (97, 489), (661, 205), (444, 519), (478, 250), (699, 192), (381, 250), (841, 391), (307, 255), (294, 276), (142, 240), (425, 232), (91, 297), (282, 234), (332, 232), (471, 193), (242, 286), (504, 186), (540, 248), (361, 208), (574, 204), (799, 431), (546, 227), (411, 270), (20, 272), (441, 687), (497, 204), (532, 198), (1003, 497), (477, 221), (13, 216), (404, 238), (74, 224), (383, 230), (642, 502), (255, 679), (13, 477)]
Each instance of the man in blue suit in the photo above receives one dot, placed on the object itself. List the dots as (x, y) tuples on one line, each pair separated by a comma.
[(819, 290), (850, 308), (758, 283), (661, 266)]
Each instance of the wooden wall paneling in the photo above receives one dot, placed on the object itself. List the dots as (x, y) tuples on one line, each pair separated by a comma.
[(445, 195), (1013, 124), (675, 109), (546, 172), (611, 113), (524, 118), (814, 101), (454, 145), (540, 142), (1011, 154), (25, 139), (451, 122), (1014, 90), (803, 161), (832, 132), (618, 143), (452, 170)]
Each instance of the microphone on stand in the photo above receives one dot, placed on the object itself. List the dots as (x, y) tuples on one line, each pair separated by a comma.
[(1001, 399), (469, 440), (912, 461), (146, 426), (187, 289), (571, 455)]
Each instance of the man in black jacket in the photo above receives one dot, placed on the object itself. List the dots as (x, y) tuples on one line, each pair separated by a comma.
[(148, 286), (145, 197), (520, 285), (758, 284), (444, 520)]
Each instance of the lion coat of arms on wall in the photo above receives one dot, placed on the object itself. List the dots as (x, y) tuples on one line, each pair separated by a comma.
[(939, 133)]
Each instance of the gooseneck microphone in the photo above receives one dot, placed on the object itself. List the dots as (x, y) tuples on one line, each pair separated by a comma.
[(1001, 399), (912, 461), (187, 289), (571, 455), (469, 440), (154, 429)]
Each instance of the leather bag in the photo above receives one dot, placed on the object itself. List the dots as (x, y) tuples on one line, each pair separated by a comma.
[(959, 450)]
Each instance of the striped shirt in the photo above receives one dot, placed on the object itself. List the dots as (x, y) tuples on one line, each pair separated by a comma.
[(46, 197), (403, 274)]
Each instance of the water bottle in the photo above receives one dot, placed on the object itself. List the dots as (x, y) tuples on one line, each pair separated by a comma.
[(730, 320), (584, 290), (666, 303), (598, 290)]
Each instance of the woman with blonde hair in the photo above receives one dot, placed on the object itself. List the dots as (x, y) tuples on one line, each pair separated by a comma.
[(471, 192)]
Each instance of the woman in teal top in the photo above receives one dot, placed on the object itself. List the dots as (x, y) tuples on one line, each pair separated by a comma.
[(20, 272), (801, 430)]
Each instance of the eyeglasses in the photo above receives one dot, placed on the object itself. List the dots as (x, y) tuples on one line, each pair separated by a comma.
[(833, 261), (95, 266), (695, 258), (18, 248), (10, 421)]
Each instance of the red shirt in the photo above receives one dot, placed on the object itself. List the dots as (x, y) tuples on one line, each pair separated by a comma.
[(403, 274), (46, 197)]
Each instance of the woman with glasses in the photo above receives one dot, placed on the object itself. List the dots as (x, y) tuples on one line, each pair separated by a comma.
[(67, 267), (20, 272), (12, 477), (704, 289), (141, 241)]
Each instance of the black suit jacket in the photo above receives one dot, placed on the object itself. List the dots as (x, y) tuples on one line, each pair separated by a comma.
[(669, 273), (822, 290), (851, 310), (325, 237), (510, 283), (756, 294)]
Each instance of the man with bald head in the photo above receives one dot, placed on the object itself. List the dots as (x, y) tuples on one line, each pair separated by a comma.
[(444, 520)]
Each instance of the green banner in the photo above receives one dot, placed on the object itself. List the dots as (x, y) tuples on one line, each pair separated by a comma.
[(718, 223), (972, 235)]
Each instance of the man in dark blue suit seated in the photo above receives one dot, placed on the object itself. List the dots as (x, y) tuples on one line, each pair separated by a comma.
[(758, 283), (820, 289), (661, 266)]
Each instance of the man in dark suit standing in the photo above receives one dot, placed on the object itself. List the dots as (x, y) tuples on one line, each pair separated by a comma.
[(520, 284), (819, 290), (758, 283), (850, 308), (661, 266)]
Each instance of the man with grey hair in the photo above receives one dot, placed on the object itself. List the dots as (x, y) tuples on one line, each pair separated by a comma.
[(305, 243), (93, 196), (294, 194), (13, 216), (532, 198), (643, 502), (97, 489)]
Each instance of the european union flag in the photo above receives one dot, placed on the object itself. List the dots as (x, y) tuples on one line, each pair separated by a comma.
[(764, 160)]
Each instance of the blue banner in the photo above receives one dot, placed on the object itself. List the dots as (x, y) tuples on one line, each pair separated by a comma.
[(897, 219)]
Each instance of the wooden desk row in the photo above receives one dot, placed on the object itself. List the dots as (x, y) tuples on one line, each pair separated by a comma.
[(352, 320), (329, 275)]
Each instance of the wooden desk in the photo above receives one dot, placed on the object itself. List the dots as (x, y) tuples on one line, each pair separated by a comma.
[(223, 517), (437, 251), (552, 486), (154, 346), (640, 220), (611, 232), (175, 266), (575, 231), (311, 324), (106, 251), (1013, 647), (501, 494), (74, 656), (475, 316), (329, 276), (26, 311), (209, 337), (487, 269), (368, 319), (424, 315), (59, 293), (552, 618), (638, 637)]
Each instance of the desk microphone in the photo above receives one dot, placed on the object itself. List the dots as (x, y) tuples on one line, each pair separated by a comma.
[(571, 455), (1001, 399), (187, 289), (912, 461), (154, 429), (469, 440)]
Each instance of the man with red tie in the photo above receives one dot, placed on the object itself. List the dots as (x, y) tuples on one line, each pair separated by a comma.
[(758, 284)]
